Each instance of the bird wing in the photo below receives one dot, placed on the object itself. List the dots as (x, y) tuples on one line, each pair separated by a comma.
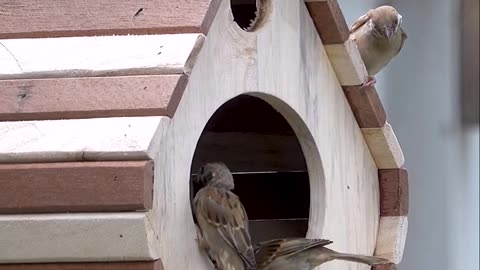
[(266, 252), (223, 210), (361, 21)]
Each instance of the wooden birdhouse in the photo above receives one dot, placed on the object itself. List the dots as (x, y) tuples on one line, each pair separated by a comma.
[(108, 108)]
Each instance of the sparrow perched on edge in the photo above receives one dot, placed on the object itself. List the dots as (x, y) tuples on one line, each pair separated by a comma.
[(379, 38), (303, 254), (222, 220)]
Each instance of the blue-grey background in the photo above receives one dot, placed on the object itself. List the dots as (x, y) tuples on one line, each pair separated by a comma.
[(420, 90)]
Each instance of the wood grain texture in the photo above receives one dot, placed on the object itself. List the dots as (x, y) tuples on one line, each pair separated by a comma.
[(390, 266), (347, 63), (329, 20), (33, 19), (146, 265), (384, 146), (272, 152), (366, 106), (392, 233), (125, 138), (77, 237), (98, 56), (394, 199), (48, 99), (344, 204), (76, 187)]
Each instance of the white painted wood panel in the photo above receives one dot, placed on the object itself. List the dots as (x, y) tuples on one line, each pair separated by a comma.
[(98, 56)]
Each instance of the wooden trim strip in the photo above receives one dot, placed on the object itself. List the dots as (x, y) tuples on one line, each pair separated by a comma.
[(329, 20), (146, 265), (390, 266), (366, 106), (76, 187), (78, 237), (393, 192), (347, 63), (47, 99), (99, 56), (61, 18), (392, 233), (384, 147), (98, 139)]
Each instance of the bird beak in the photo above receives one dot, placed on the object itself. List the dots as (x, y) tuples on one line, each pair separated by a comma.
[(389, 32)]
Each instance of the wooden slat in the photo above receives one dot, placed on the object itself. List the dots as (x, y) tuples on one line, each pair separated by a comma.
[(271, 152), (99, 56), (76, 187), (366, 106), (77, 237), (384, 147), (347, 63), (390, 266), (126, 138), (145, 265), (63, 18), (392, 233), (393, 192), (329, 21), (41, 99)]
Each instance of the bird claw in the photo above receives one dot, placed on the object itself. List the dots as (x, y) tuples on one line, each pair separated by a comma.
[(370, 82)]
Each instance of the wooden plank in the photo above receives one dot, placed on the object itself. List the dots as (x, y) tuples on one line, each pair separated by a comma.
[(390, 266), (146, 265), (272, 152), (393, 192), (384, 146), (98, 56), (76, 187), (76, 237), (267, 229), (470, 82), (126, 138), (48, 99), (329, 20), (392, 233), (33, 19), (347, 63), (366, 106)]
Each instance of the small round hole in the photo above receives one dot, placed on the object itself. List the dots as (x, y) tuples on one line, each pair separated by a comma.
[(249, 14)]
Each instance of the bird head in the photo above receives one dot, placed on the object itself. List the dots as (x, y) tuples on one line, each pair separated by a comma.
[(215, 174), (386, 21)]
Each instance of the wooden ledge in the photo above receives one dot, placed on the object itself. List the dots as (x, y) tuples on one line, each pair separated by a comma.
[(150, 265), (47, 99), (347, 63), (108, 17), (329, 20), (392, 233), (384, 147), (76, 187), (393, 192), (366, 106)]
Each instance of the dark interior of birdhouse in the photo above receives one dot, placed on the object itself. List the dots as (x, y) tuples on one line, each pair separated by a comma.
[(244, 12), (265, 157)]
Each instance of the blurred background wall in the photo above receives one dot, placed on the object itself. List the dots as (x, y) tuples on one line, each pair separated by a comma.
[(421, 92)]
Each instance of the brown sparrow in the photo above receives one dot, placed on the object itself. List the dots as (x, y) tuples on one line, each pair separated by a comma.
[(379, 38), (303, 254), (222, 220)]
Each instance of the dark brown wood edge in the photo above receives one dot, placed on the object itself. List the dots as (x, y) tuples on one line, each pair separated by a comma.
[(106, 186), (145, 265), (390, 266), (366, 106), (394, 197), (329, 21)]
